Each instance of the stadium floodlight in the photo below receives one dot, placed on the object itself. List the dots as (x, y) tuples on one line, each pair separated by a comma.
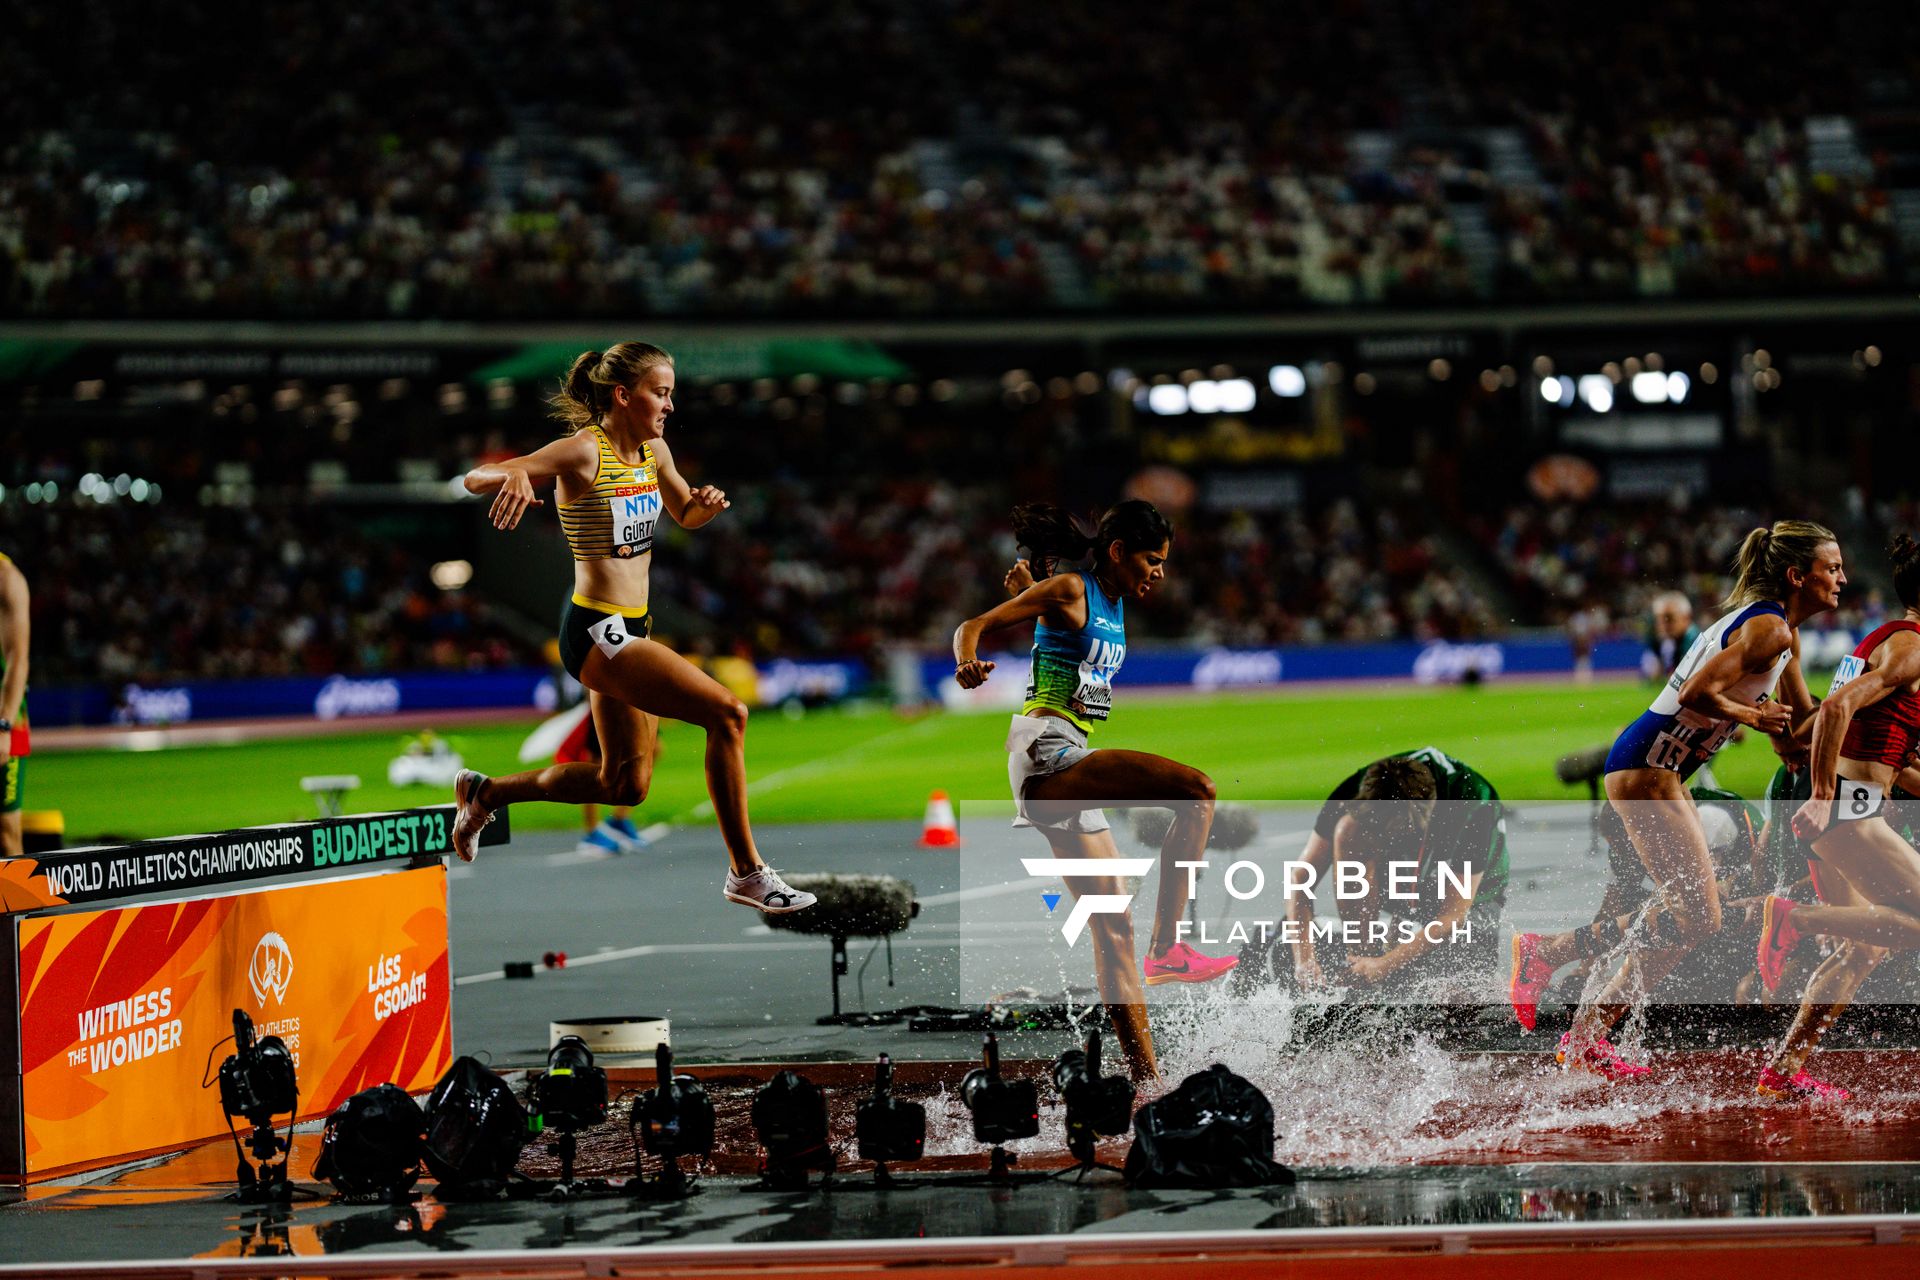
[(1677, 387), (1237, 396), (1204, 397), (1287, 381), (451, 575), (257, 1083), (1168, 398), (1597, 390), (1650, 387)]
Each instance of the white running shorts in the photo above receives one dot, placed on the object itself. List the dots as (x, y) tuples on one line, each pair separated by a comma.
[(1038, 747)]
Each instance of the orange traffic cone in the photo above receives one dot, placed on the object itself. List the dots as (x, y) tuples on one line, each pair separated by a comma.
[(941, 831)]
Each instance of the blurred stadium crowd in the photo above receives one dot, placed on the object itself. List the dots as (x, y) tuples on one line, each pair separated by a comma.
[(818, 557), (128, 592), (487, 159)]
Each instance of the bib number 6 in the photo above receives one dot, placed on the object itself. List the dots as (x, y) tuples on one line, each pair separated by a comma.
[(610, 635)]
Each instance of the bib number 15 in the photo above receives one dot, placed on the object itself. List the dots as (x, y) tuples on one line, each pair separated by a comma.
[(1668, 752)]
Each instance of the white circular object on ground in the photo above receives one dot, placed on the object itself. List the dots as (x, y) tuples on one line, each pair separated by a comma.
[(637, 1033)]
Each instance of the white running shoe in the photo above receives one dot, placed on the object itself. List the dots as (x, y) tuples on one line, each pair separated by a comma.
[(764, 890), (469, 819)]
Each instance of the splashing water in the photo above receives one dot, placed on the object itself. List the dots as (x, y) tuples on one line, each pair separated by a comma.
[(1377, 1091)]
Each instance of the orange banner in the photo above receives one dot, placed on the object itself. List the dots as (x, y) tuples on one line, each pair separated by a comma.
[(120, 1007)]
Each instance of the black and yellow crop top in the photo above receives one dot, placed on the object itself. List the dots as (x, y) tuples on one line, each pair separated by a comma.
[(614, 520)]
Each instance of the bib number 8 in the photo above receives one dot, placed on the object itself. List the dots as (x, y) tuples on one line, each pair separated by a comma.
[(1857, 800)]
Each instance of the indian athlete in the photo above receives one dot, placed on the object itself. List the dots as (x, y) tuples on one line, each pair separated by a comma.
[(1059, 782)]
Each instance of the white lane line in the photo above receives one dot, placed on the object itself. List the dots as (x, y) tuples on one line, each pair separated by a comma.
[(943, 926), (682, 949), (1079, 866), (659, 831), (948, 899)]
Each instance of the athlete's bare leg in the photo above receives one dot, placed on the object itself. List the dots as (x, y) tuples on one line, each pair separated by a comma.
[(1872, 883), (649, 680), (1123, 779), (1115, 967), (1882, 873), (1592, 941), (1664, 826), (12, 842), (1833, 984), (623, 774)]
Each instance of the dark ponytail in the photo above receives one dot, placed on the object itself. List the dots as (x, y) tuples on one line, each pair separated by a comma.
[(1905, 556), (1136, 524), (1050, 535), (1053, 538)]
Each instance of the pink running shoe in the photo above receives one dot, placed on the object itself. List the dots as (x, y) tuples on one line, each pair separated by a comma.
[(1601, 1058), (1779, 935), (469, 819), (1800, 1086), (1182, 963), (1531, 975)]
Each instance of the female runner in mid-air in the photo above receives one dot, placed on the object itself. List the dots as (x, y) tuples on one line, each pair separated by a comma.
[(1079, 642), (1783, 576), (614, 475), (1867, 876)]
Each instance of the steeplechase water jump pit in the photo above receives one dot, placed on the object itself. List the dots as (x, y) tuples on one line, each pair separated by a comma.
[(1426, 1112)]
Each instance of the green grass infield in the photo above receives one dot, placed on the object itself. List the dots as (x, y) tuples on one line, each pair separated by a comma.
[(854, 765)]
